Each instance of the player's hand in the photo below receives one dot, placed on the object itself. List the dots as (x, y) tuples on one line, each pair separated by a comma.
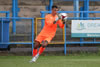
[(63, 17), (56, 20), (64, 20)]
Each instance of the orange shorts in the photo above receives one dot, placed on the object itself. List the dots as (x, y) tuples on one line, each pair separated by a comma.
[(40, 38)]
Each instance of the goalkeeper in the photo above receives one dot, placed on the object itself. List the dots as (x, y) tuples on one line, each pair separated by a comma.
[(47, 33)]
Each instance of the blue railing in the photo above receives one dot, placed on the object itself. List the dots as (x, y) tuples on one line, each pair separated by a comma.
[(15, 11), (7, 13), (17, 18), (74, 18)]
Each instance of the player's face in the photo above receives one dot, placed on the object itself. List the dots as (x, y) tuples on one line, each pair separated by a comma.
[(54, 10)]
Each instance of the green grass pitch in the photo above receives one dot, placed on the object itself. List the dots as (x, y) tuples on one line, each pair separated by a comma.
[(50, 61)]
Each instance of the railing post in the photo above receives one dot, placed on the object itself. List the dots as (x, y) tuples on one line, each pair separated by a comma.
[(50, 4), (2, 24), (81, 16), (14, 15), (76, 7), (8, 14), (86, 7), (32, 35), (15, 11), (65, 40)]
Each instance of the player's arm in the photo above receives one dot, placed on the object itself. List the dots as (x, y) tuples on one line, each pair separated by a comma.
[(63, 19), (60, 23)]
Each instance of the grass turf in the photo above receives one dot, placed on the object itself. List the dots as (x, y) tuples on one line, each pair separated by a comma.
[(50, 61)]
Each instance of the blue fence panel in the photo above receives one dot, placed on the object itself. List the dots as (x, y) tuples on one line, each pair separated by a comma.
[(2, 38), (7, 13)]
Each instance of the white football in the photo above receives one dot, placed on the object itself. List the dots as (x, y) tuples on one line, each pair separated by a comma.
[(63, 16)]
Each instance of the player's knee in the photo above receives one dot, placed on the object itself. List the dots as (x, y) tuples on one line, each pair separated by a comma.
[(36, 45), (44, 43), (44, 46)]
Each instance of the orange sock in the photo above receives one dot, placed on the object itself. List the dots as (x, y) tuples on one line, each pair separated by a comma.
[(41, 50), (34, 52)]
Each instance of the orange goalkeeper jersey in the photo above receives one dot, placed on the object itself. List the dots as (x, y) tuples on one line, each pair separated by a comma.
[(49, 28)]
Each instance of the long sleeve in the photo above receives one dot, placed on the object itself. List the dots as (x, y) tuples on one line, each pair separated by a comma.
[(60, 23)]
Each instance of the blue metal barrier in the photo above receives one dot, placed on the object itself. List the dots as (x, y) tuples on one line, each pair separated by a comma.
[(76, 7), (7, 13), (15, 18), (75, 18), (4, 31), (49, 7), (15, 11)]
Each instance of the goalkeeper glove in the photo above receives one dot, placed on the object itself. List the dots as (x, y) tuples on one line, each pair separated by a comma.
[(56, 20)]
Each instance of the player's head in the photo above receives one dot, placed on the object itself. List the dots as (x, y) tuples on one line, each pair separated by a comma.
[(54, 9)]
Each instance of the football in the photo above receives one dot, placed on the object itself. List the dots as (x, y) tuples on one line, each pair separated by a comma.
[(63, 16)]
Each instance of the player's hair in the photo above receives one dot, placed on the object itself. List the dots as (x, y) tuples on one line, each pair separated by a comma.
[(54, 6)]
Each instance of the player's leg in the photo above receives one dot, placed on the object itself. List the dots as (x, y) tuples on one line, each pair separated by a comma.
[(38, 40), (36, 45), (44, 44), (42, 48)]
